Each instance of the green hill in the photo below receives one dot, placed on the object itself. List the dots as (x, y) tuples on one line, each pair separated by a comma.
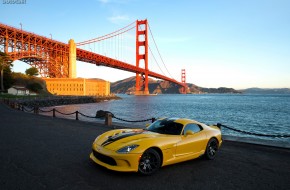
[(127, 86), (34, 84)]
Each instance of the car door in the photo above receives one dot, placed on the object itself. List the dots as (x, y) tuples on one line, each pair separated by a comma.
[(192, 143)]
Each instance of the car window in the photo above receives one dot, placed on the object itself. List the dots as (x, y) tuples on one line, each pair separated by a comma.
[(166, 126), (192, 127)]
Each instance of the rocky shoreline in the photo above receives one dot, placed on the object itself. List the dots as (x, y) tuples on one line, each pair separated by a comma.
[(60, 100)]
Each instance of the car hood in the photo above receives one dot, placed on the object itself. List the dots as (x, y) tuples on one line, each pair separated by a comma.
[(117, 139)]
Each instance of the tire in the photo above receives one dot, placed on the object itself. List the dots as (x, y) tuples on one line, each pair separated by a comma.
[(149, 162), (211, 149)]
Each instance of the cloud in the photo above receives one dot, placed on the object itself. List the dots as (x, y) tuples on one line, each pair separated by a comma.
[(119, 19)]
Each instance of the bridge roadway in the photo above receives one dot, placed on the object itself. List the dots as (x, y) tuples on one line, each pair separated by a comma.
[(100, 60), (56, 50), (40, 152)]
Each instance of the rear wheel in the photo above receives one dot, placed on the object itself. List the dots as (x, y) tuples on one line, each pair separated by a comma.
[(149, 162), (211, 149)]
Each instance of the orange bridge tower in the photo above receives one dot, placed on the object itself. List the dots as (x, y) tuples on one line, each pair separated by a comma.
[(183, 81), (142, 57)]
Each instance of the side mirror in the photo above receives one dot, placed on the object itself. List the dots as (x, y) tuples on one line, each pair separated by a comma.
[(147, 125), (189, 132)]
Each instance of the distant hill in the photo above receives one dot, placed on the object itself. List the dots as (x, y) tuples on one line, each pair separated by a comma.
[(266, 91), (127, 86)]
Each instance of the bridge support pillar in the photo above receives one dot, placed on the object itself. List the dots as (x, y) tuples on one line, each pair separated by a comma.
[(72, 59), (142, 55), (183, 81)]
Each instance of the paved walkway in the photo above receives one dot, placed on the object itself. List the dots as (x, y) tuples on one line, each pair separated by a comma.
[(39, 152)]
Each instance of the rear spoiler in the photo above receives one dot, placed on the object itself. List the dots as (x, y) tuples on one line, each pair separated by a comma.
[(219, 125)]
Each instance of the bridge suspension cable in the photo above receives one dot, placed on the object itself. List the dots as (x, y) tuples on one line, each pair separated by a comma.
[(118, 45), (159, 53), (154, 58), (156, 61), (110, 35)]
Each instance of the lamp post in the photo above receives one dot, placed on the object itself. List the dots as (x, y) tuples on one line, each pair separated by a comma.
[(20, 25)]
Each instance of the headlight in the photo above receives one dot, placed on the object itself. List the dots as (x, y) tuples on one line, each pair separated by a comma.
[(127, 149)]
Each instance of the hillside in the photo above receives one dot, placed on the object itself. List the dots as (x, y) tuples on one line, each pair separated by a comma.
[(266, 91), (34, 84), (127, 86)]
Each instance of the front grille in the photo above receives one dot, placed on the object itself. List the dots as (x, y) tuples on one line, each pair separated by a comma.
[(104, 158)]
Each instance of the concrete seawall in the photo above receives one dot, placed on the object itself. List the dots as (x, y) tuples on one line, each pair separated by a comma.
[(59, 100), (40, 152)]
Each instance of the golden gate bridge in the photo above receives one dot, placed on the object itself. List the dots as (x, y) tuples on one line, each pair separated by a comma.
[(56, 59)]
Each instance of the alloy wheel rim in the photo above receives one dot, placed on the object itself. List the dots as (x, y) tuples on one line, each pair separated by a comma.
[(148, 163), (212, 148)]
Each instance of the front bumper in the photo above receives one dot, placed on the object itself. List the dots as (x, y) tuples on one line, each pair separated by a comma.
[(115, 161)]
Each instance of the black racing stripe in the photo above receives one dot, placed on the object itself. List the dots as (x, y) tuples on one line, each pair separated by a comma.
[(118, 137)]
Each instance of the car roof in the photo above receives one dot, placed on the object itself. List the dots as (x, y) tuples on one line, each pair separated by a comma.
[(183, 121)]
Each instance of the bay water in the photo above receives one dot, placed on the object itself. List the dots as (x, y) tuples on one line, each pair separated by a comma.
[(266, 114)]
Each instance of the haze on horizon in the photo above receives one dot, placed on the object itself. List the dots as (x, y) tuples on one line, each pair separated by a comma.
[(236, 44)]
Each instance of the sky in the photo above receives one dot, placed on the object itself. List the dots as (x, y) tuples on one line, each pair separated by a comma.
[(221, 43)]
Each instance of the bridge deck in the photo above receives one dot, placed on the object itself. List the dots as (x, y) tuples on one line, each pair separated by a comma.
[(100, 60), (51, 57)]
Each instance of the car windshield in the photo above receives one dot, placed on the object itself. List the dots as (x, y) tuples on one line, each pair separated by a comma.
[(166, 126)]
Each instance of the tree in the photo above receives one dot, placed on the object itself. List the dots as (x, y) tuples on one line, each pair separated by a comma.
[(35, 87), (32, 71), (5, 64), (8, 79)]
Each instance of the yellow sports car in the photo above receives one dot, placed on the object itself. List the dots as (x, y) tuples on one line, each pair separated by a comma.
[(166, 141)]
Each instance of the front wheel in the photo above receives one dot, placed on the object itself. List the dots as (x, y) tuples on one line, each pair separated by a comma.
[(149, 162), (211, 149)]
